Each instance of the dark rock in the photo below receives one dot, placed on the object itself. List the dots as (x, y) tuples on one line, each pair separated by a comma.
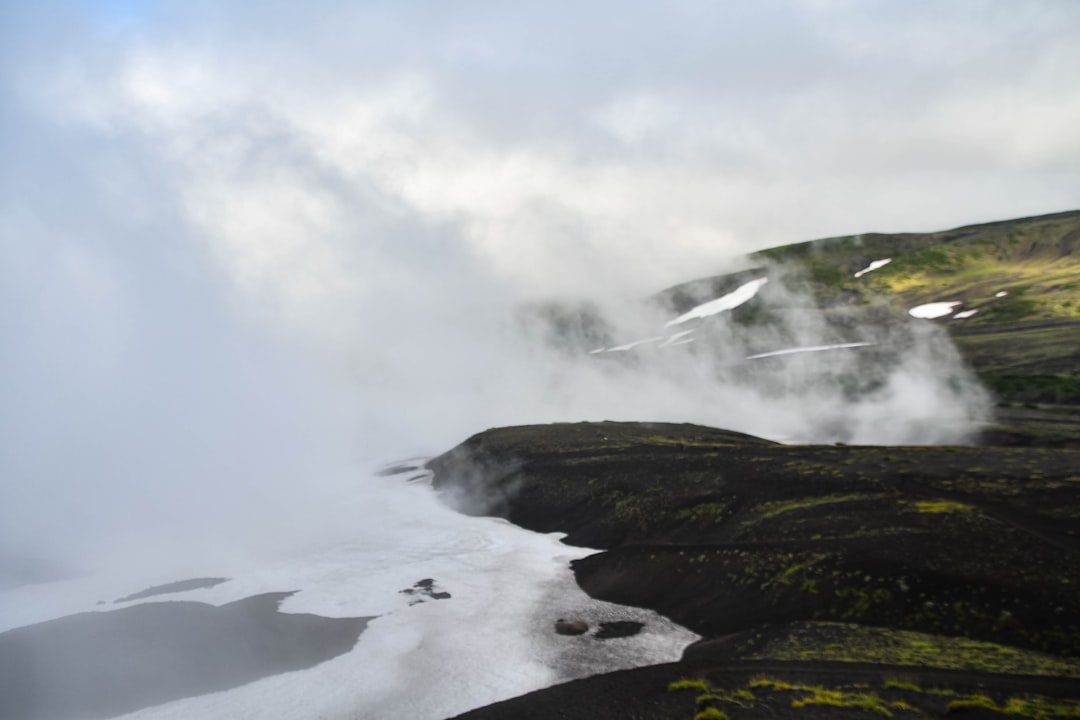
[(717, 649), (571, 627), (396, 470), (618, 629), (424, 590)]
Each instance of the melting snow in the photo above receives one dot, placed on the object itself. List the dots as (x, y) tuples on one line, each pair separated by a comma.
[(964, 314), (492, 639), (811, 348), (933, 310), (1001, 293), (632, 345), (677, 338), (873, 266), (732, 300)]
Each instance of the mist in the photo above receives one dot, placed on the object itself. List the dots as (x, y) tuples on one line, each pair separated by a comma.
[(250, 256)]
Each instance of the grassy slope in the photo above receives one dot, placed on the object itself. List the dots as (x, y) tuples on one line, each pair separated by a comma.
[(1025, 346), (1035, 260)]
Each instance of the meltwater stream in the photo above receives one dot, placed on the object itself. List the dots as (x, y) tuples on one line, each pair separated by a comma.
[(463, 610)]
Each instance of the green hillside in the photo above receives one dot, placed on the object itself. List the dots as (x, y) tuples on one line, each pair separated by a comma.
[(1036, 261), (1015, 286)]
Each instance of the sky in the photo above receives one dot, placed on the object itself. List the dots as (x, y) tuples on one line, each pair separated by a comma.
[(244, 242)]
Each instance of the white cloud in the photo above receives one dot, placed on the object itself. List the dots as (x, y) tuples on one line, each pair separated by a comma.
[(634, 118), (380, 185)]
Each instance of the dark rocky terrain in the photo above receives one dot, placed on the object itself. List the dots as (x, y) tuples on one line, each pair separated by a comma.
[(811, 571)]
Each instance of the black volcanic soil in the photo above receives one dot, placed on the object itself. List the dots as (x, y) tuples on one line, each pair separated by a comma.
[(910, 557), (750, 690), (96, 665)]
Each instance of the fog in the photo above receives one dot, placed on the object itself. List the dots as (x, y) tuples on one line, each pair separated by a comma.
[(249, 254)]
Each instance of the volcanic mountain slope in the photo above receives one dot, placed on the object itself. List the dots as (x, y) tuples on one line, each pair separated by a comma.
[(848, 311), (1011, 271), (1008, 294), (895, 581), (828, 580)]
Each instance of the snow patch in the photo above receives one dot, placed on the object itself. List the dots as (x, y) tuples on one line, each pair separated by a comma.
[(492, 639), (873, 266), (732, 300), (811, 348), (964, 314), (1001, 293), (676, 339), (931, 311), (632, 345)]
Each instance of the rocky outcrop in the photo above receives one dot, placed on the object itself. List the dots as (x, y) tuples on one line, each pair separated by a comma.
[(731, 535)]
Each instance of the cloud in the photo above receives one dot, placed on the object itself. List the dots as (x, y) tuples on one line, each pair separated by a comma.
[(239, 243)]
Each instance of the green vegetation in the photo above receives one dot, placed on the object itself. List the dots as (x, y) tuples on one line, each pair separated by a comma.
[(895, 695), (860, 601), (1037, 707), (942, 506), (842, 642), (710, 699), (1032, 259), (1047, 388), (710, 713), (972, 702), (1015, 308), (901, 684), (1046, 351), (838, 698), (703, 511), (1040, 285), (772, 509), (1021, 279), (1040, 707), (708, 704), (818, 695)]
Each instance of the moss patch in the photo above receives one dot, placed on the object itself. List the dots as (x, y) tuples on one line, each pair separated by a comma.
[(942, 506), (842, 642), (778, 507), (765, 694)]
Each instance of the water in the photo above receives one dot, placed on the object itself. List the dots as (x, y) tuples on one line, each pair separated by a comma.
[(490, 640)]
